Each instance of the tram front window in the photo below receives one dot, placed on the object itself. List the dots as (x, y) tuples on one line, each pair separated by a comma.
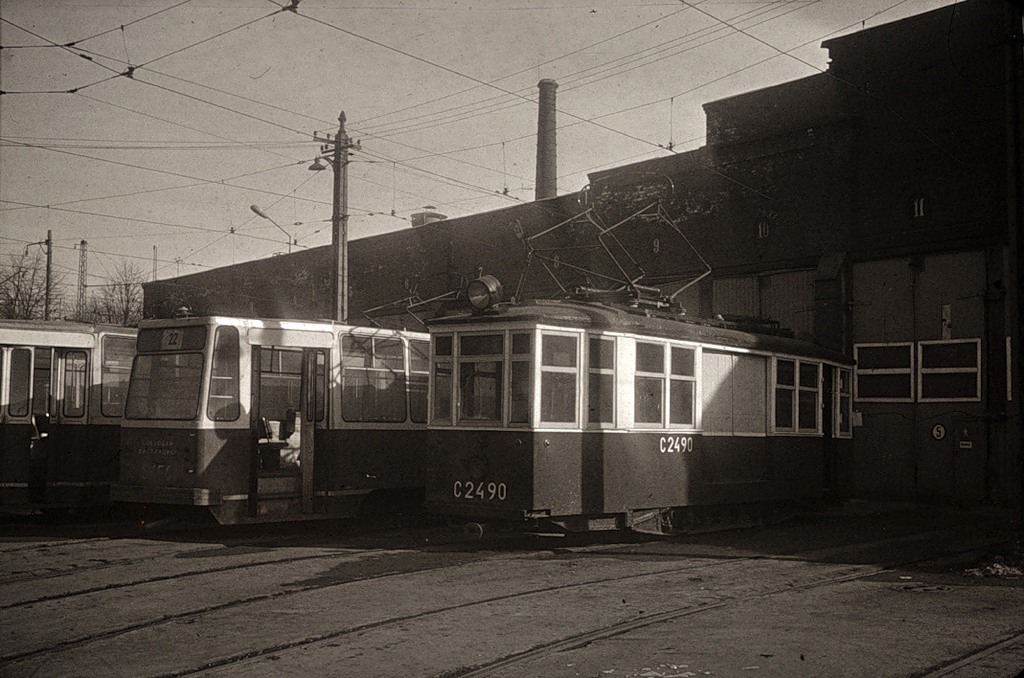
[(481, 364), (165, 386)]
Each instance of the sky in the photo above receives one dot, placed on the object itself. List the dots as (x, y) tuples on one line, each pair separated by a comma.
[(148, 128)]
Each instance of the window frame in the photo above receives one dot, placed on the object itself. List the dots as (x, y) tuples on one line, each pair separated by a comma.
[(422, 377), (533, 379), (439, 360), (921, 371), (910, 371), (612, 372), (22, 398), (503, 371), (662, 376), (155, 357), (233, 379), (74, 379), (796, 389), (373, 373), (109, 385), (818, 391), (543, 369), (691, 379)]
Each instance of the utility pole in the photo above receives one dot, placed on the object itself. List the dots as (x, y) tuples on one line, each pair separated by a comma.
[(83, 264), (338, 155), (49, 274)]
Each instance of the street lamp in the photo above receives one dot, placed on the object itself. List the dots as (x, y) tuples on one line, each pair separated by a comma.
[(260, 213)]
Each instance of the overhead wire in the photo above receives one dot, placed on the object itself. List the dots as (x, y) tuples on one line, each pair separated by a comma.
[(129, 23), (133, 219), (503, 100), (159, 171), (419, 170), (91, 249), (521, 71), (453, 71)]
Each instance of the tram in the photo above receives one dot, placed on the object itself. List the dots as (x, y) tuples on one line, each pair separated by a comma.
[(267, 420), (62, 393), (609, 411)]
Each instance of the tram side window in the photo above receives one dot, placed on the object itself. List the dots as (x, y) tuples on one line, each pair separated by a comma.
[(682, 387), (785, 394), (21, 375), (419, 373), (372, 379), (115, 368), (559, 366), (601, 383), (808, 406), (481, 365), (223, 404), (41, 381), (797, 396), (522, 378), (442, 383), (75, 372), (649, 383)]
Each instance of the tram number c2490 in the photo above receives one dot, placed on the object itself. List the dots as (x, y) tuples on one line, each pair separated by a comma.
[(675, 444), (469, 489)]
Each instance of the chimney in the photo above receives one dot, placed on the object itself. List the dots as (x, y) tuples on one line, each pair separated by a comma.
[(547, 158)]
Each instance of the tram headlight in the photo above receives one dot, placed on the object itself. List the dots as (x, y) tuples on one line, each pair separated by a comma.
[(484, 292)]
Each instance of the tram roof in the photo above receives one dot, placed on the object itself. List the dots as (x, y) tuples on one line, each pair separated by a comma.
[(639, 321), (270, 323), (56, 332)]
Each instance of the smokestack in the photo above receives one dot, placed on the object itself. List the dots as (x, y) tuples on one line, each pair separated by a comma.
[(547, 157)]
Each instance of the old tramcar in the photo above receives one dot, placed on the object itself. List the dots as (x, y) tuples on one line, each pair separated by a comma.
[(62, 388), (580, 415), (263, 420)]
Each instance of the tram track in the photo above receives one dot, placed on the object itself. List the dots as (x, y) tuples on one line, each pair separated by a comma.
[(393, 621), (718, 564), (241, 602), (951, 668), (99, 562), (6, 550), (219, 538), (587, 637)]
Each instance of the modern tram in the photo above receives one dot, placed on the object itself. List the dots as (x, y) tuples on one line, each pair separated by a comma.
[(62, 393), (609, 411), (269, 420)]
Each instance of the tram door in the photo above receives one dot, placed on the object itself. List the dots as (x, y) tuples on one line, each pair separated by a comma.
[(289, 404), (277, 404), (17, 433), (314, 416)]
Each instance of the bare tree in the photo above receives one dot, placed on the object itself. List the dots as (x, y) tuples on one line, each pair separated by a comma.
[(119, 300), (23, 288)]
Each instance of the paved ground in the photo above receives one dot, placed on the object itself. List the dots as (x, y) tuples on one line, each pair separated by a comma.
[(865, 589)]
